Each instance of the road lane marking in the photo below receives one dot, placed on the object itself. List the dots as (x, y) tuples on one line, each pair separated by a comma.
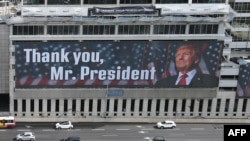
[(109, 135), (24, 130), (2, 130), (98, 129), (49, 130), (122, 129)]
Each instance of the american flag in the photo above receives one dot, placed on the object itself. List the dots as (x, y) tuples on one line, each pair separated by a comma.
[(244, 74)]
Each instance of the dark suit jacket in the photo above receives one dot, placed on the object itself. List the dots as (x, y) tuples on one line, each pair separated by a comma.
[(199, 80)]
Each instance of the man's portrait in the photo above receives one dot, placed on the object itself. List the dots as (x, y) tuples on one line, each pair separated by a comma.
[(188, 68)]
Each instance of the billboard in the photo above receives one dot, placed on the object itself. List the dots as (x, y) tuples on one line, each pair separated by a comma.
[(89, 64), (243, 85)]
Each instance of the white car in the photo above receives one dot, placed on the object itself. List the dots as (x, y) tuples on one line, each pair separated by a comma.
[(166, 124), (64, 125), (26, 136)]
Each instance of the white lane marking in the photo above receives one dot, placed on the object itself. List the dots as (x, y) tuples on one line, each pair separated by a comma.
[(3, 130), (109, 135), (122, 129), (48, 130), (98, 129), (23, 130), (142, 132)]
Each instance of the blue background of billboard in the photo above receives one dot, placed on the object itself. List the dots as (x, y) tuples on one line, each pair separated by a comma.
[(136, 54)]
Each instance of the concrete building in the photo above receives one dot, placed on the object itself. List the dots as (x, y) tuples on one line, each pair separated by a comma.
[(60, 59)]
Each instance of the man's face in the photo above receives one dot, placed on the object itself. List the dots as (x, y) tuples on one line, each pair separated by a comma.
[(185, 59)]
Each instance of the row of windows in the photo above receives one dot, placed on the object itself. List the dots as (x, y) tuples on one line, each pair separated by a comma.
[(110, 29), (157, 106), (241, 22), (241, 7), (239, 36), (74, 2)]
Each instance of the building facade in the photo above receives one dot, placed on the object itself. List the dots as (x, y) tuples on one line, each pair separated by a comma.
[(98, 60)]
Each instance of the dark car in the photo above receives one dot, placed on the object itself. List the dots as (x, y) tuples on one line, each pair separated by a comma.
[(159, 138), (72, 138)]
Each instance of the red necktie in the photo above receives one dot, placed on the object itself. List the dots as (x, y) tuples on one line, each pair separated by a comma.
[(183, 80)]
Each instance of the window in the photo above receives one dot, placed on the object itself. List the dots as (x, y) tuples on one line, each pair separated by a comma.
[(235, 105), (200, 105), (241, 7), (99, 1), (183, 105), (218, 105), (28, 30), (82, 105), (73, 105), (169, 29), (49, 105), (171, 1), (134, 29), (67, 2), (124, 105), (40, 104), (132, 108), (32, 105), (166, 105), (227, 105), (140, 105), (203, 29), (149, 105), (15, 105), (116, 105), (98, 29), (135, 1), (57, 105), (90, 105), (63, 29), (192, 105), (244, 106), (175, 105), (158, 103), (33, 2), (23, 105), (208, 1), (65, 107), (99, 105), (209, 105)]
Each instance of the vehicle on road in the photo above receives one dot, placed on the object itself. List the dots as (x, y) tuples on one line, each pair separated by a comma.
[(26, 136), (166, 124), (159, 138), (7, 122), (72, 138), (64, 125)]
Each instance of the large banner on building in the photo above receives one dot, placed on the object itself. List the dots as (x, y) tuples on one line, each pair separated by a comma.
[(243, 85), (130, 64)]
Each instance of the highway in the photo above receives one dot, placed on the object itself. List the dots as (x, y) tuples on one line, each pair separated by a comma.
[(117, 132)]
